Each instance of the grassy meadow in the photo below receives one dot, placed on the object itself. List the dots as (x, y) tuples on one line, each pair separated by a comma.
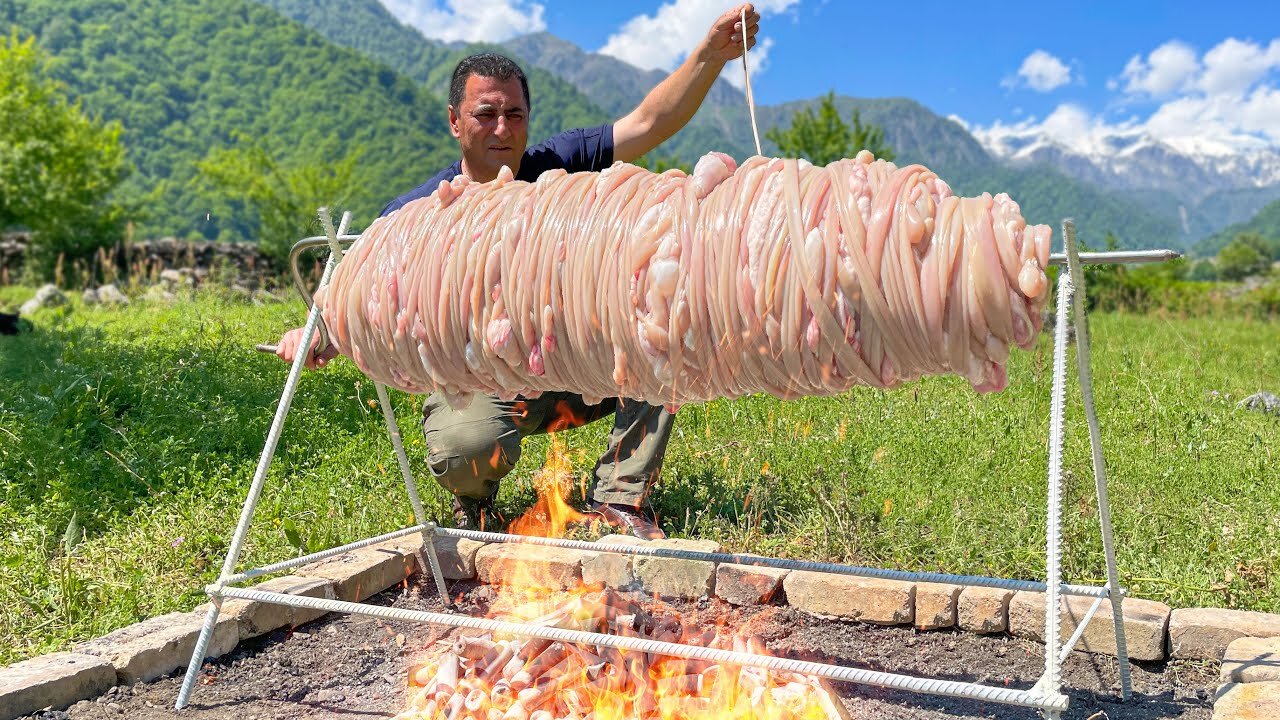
[(128, 438)]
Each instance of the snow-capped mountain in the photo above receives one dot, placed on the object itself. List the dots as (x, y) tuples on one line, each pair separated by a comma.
[(1189, 168)]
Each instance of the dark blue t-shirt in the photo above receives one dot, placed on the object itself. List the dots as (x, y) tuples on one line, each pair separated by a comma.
[(580, 150)]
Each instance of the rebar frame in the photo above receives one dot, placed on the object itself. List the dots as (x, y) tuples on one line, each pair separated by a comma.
[(1045, 694)]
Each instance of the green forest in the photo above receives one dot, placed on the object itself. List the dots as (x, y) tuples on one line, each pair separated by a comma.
[(189, 80)]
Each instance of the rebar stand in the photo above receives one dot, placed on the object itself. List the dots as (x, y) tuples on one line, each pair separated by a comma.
[(1045, 694)]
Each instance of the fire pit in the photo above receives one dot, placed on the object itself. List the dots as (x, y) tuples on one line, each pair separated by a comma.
[(603, 655)]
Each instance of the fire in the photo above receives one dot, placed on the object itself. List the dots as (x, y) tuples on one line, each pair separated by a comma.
[(551, 514), (528, 679), (516, 678)]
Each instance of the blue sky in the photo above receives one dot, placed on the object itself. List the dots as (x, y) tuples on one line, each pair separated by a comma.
[(1175, 69)]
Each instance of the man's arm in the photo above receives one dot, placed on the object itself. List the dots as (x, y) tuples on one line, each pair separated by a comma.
[(674, 101)]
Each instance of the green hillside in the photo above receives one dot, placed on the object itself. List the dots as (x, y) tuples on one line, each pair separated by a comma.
[(186, 77), (1266, 223), (366, 26)]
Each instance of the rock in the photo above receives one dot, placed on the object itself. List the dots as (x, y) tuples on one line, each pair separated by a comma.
[(1247, 701), (547, 567), (157, 294), (362, 573), (983, 610), (1263, 402), (146, 650), (1250, 659), (56, 680), (1145, 622), (109, 294), (748, 584), (1205, 633), (329, 695), (936, 605), (673, 578), (259, 618), (89, 296), (614, 570), (47, 296), (883, 602), (175, 278)]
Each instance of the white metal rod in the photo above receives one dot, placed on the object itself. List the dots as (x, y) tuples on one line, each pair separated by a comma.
[(1080, 628), (1085, 375), (1025, 698), (321, 555), (1117, 257), (784, 563), (260, 473)]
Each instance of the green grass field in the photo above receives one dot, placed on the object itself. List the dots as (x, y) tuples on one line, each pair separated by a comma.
[(145, 424)]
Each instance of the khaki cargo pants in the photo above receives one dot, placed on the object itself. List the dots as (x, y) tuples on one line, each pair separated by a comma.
[(472, 449)]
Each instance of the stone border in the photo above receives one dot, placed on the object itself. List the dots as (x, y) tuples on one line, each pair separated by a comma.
[(162, 645)]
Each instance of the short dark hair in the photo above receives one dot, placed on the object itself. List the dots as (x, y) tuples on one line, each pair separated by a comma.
[(491, 65)]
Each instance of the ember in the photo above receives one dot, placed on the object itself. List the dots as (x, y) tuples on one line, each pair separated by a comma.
[(509, 679)]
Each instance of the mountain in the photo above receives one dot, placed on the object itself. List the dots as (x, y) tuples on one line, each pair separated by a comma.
[(185, 78), (614, 85), (1266, 223), (1201, 185), (367, 27)]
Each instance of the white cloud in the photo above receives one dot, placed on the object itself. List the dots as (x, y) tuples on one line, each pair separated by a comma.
[(1041, 71), (469, 20), (1168, 68), (1220, 102), (662, 40), (1234, 66)]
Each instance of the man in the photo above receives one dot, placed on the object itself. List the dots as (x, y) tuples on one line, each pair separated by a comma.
[(472, 449)]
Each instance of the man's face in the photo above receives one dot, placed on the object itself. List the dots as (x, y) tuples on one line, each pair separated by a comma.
[(492, 125)]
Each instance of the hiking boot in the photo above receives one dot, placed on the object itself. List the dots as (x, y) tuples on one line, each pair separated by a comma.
[(629, 520), (477, 514)]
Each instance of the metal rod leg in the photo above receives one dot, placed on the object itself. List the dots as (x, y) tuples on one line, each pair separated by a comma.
[(259, 475), (411, 485), (1051, 682), (1085, 372), (197, 655)]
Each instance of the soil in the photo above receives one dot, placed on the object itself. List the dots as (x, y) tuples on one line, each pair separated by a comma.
[(352, 667)]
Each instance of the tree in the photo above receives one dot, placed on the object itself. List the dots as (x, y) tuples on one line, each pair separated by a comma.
[(823, 137), (58, 166), (282, 200), (1241, 258)]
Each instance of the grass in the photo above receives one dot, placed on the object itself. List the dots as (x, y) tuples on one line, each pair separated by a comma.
[(128, 438)]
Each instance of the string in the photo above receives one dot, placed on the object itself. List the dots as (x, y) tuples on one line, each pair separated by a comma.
[(746, 75)]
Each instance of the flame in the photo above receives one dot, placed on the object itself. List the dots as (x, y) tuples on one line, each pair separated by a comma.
[(551, 514), (482, 677)]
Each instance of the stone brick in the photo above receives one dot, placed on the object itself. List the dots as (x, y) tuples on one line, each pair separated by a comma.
[(146, 650), (53, 681), (1205, 633), (457, 556), (672, 578), (1250, 659), (936, 605), (549, 567), (984, 610), (748, 584), (1247, 701), (1145, 623), (362, 573), (259, 618), (612, 569), (883, 602)]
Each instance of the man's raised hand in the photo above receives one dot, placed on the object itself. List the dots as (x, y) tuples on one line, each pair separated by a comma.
[(724, 40)]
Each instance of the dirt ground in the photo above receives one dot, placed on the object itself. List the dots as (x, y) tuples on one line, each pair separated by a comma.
[(350, 667)]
